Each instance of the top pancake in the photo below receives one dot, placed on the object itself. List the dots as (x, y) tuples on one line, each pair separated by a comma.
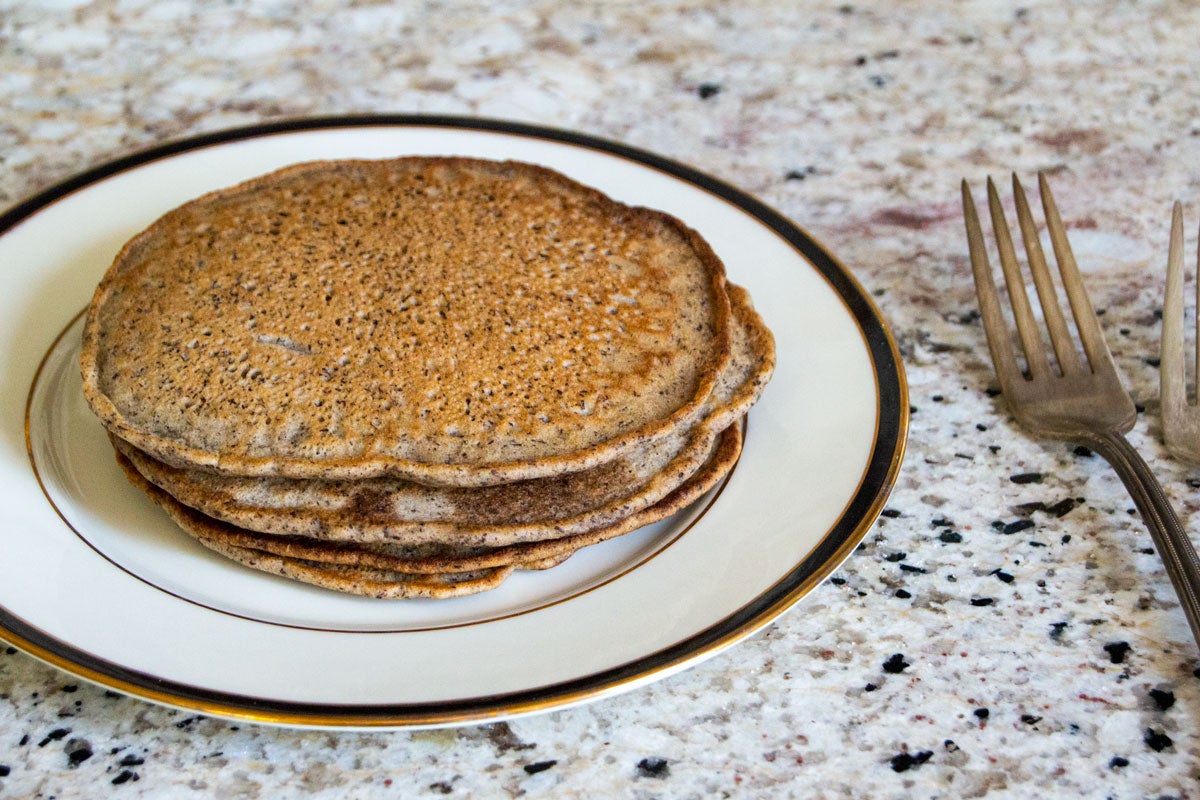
[(451, 321)]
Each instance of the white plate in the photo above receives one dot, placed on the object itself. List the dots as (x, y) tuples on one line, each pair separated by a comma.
[(96, 580)]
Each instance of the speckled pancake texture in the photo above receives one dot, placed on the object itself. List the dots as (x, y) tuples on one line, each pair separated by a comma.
[(422, 571), (396, 510), (408, 378), (451, 321)]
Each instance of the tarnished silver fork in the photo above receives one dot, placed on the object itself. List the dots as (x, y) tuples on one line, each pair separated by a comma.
[(1076, 399), (1180, 415)]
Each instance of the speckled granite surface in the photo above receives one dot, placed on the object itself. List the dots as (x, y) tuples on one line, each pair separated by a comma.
[(1005, 631)]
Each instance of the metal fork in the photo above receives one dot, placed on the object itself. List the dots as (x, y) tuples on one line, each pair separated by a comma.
[(1080, 399), (1180, 415)]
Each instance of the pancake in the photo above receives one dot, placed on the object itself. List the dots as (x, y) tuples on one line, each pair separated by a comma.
[(390, 572), (449, 321), (399, 511), (377, 583)]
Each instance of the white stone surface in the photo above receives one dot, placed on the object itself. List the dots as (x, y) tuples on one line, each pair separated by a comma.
[(877, 111)]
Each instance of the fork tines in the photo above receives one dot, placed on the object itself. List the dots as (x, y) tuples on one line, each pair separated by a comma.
[(1180, 415), (1037, 361)]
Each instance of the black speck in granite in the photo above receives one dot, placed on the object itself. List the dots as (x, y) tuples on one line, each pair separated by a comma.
[(1157, 740), (25, 739), (54, 736), (1118, 762), (124, 777), (895, 664), (894, 557), (653, 767), (1117, 651), (902, 762), (78, 751), (1164, 699), (941, 522), (911, 568), (836, 581), (4, 770), (870, 687), (1016, 526), (707, 90), (890, 513), (1082, 452), (1002, 575), (801, 174), (860, 61), (131, 761), (441, 787), (540, 766), (10, 651), (1066, 538), (951, 579), (982, 601), (982, 713), (846, 9), (1062, 507), (186, 723), (902, 594), (938, 398), (950, 745), (1027, 477), (979, 426), (1056, 630), (1030, 719), (879, 81), (950, 537)]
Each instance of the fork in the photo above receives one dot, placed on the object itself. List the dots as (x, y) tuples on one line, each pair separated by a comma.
[(1180, 417), (1075, 399)]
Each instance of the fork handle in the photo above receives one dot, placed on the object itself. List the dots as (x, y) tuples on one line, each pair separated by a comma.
[(1176, 550)]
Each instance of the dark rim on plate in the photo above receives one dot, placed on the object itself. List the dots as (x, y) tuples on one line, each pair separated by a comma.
[(856, 519)]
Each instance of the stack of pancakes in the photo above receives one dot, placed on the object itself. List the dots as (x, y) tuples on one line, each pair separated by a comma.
[(409, 377)]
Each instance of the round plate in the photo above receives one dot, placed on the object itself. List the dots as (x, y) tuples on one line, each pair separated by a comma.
[(98, 582)]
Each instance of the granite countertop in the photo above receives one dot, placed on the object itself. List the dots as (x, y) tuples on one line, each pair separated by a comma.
[(1006, 628)]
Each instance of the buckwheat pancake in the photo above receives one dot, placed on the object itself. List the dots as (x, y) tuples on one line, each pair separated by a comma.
[(376, 583), (398, 511), (396, 572), (450, 321)]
